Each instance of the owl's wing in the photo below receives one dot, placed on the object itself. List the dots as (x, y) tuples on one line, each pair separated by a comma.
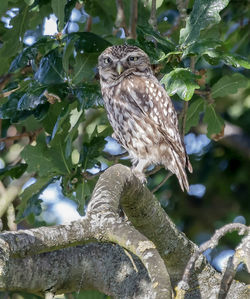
[(153, 101)]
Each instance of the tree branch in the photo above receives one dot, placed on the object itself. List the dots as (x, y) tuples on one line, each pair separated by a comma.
[(133, 18), (153, 19), (212, 243), (121, 211), (12, 192), (120, 17), (31, 135), (104, 267)]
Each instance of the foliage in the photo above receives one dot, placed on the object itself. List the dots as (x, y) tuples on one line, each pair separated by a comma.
[(50, 89)]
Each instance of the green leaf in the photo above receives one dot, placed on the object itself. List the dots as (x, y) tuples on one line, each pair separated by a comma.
[(30, 202), (58, 9), (214, 121), (84, 67), (9, 109), (88, 95), (38, 159), (90, 151), (202, 47), (13, 171), (193, 113), (181, 81), (48, 160), (235, 60), (148, 33), (105, 13), (33, 97), (228, 85), (67, 53), (80, 116), (3, 6), (51, 118), (43, 45), (50, 70), (89, 42), (12, 38), (204, 14)]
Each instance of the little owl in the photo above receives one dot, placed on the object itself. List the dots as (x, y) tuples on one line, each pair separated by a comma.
[(141, 113)]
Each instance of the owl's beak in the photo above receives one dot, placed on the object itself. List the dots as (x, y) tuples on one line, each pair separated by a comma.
[(119, 68)]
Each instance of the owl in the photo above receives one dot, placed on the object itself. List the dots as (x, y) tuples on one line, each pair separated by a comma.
[(141, 113)]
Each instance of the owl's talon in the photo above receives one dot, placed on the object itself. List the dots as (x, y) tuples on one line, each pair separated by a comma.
[(140, 175)]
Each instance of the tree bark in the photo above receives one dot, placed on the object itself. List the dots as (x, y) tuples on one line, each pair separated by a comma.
[(138, 251)]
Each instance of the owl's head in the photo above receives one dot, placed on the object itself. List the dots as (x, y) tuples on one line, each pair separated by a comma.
[(121, 60)]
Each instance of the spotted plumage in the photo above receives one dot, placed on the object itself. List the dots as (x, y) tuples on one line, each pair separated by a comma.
[(141, 113)]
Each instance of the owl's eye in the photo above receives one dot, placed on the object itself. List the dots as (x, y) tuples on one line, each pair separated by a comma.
[(107, 60), (133, 58)]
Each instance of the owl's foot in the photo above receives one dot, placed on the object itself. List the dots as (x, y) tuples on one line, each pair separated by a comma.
[(140, 175), (138, 170)]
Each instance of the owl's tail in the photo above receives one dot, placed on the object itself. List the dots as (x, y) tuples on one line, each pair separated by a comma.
[(179, 171)]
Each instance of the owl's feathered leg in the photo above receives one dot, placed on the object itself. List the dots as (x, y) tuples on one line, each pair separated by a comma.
[(138, 170)]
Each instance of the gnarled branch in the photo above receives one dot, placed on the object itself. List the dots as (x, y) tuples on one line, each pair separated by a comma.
[(122, 211)]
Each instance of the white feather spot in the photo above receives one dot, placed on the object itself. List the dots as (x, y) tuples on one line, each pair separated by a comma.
[(151, 89), (159, 93), (163, 147), (150, 129), (155, 118), (170, 110), (152, 84), (151, 104), (171, 132), (165, 112)]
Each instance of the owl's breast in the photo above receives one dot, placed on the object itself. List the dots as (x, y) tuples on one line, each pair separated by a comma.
[(130, 125)]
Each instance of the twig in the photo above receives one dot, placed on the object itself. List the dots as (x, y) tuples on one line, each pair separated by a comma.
[(182, 7), (88, 24), (154, 170), (192, 63), (120, 17), (241, 255), (162, 183), (133, 19), (202, 92), (90, 176), (115, 157), (227, 278), (212, 243), (7, 93), (153, 19), (4, 80), (12, 192), (31, 135), (11, 218)]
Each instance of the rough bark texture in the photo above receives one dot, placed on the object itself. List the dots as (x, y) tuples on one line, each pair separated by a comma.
[(147, 262)]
